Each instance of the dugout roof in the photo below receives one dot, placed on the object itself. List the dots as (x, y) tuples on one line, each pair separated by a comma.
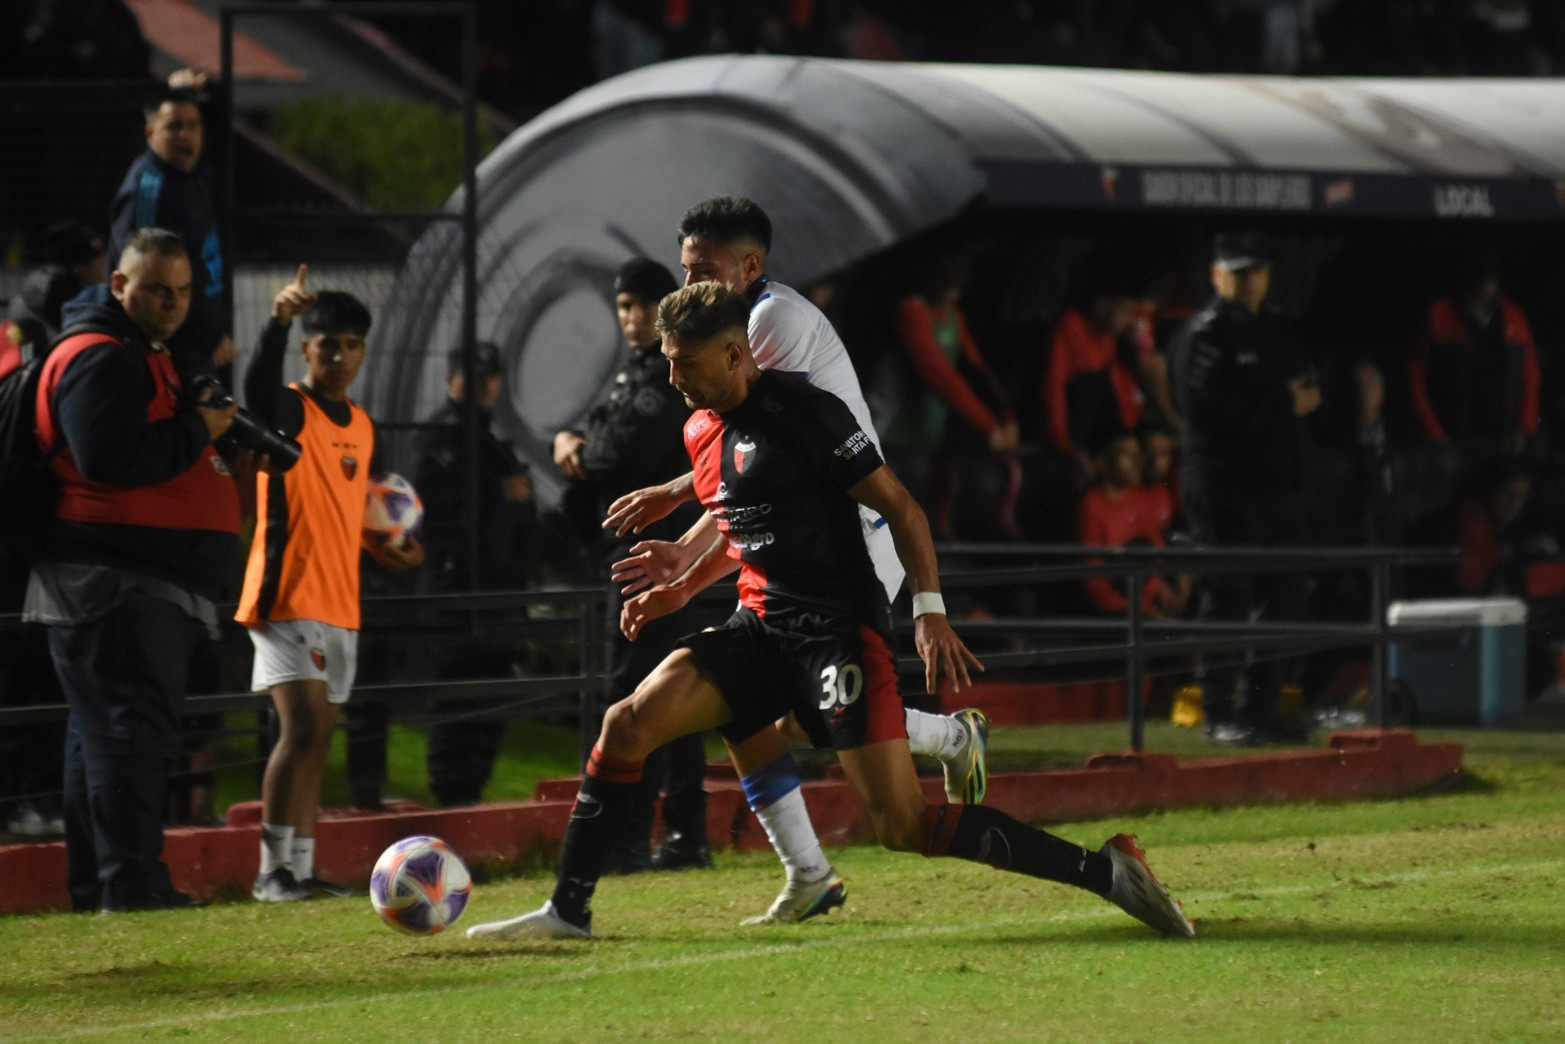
[(850, 158)]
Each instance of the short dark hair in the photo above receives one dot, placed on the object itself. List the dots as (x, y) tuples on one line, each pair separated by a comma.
[(151, 240), (644, 278), (701, 311), (335, 311), (727, 219), (168, 95)]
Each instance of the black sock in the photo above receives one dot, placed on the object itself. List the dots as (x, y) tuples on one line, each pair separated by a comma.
[(597, 820), (986, 835)]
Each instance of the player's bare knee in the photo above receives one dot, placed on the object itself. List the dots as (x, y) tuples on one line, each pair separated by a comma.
[(624, 732)]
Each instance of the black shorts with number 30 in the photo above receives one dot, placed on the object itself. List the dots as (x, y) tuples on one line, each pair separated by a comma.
[(838, 677)]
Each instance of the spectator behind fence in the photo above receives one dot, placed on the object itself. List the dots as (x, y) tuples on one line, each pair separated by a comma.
[(968, 465), (1090, 391), (144, 536), (1474, 375), (301, 590), (1119, 511), (633, 437), (1243, 385), (1507, 550), (168, 187), (75, 256), (464, 739), (33, 754)]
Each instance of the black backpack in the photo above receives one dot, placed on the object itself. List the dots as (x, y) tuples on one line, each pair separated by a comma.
[(28, 487)]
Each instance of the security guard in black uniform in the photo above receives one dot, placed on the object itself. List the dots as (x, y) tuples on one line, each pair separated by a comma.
[(464, 741), (1243, 385), (633, 438)]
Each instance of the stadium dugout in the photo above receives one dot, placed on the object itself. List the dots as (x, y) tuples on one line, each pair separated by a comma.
[(853, 158)]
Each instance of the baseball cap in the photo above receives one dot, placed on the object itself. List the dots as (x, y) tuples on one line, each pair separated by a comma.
[(644, 278), (1236, 250), (71, 243), (486, 359)]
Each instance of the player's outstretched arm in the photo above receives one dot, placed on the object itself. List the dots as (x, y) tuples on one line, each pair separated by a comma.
[(654, 562), (637, 510), (712, 565), (938, 646)]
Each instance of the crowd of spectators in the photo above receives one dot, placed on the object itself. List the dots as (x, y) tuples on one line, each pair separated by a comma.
[(1236, 415)]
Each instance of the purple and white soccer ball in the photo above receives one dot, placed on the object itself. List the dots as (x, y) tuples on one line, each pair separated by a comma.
[(392, 509), (420, 886)]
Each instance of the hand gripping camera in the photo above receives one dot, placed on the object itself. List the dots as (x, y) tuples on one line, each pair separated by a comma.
[(248, 432)]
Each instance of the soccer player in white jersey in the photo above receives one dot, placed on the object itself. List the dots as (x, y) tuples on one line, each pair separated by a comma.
[(726, 240)]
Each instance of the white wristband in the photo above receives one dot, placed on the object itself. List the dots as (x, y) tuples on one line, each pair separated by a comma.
[(928, 602)]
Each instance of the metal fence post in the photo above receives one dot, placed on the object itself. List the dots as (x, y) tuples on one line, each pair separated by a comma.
[(1380, 682), (1135, 666)]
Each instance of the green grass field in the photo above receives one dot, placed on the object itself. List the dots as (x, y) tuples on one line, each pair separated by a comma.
[(1433, 917)]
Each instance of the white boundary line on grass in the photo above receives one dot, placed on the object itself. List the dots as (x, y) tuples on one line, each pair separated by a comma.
[(773, 948)]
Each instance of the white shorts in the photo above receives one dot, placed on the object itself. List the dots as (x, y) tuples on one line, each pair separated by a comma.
[(305, 650), (882, 552)]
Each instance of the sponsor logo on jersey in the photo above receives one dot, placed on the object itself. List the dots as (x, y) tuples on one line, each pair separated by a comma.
[(698, 423), (722, 491), (855, 444), (744, 453)]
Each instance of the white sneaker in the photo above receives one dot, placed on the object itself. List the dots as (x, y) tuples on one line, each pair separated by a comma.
[(1136, 891), (801, 900), (29, 820), (278, 886), (967, 774), (542, 923)]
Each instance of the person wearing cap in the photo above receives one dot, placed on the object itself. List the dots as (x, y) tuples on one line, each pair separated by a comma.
[(74, 259), (632, 437), (465, 737), (1244, 384)]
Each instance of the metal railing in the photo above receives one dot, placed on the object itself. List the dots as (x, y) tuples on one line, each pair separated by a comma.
[(1134, 640)]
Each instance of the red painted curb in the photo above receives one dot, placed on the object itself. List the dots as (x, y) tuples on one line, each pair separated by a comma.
[(222, 860)]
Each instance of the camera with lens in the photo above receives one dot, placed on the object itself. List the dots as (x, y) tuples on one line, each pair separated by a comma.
[(247, 432)]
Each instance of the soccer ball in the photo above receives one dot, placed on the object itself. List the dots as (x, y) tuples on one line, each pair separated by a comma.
[(392, 509), (420, 886)]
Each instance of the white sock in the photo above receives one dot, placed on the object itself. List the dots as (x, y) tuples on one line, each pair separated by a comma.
[(276, 846), (787, 825), (934, 735), (303, 852)]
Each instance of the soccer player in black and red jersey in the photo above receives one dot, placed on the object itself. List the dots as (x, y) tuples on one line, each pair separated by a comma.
[(783, 466)]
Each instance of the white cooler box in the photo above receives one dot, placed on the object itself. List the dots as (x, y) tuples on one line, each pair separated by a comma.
[(1474, 674)]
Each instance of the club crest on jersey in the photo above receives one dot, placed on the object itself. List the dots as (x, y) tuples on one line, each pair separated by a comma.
[(350, 467), (318, 657), (744, 453)]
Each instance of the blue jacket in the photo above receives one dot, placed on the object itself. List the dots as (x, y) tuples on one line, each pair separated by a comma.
[(155, 194)]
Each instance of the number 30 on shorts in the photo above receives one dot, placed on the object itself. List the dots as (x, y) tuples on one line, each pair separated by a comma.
[(841, 686)]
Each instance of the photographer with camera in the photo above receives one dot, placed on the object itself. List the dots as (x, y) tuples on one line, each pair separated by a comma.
[(143, 537), (301, 589), (1244, 385)]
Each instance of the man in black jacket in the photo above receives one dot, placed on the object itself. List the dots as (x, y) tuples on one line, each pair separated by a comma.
[(464, 740), (1244, 385), (633, 438), (142, 544)]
